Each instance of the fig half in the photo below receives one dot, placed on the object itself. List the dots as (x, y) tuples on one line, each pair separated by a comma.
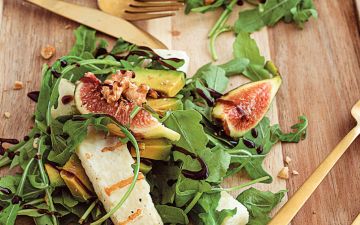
[(89, 99), (243, 108)]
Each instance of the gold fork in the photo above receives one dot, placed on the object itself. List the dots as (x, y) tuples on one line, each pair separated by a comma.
[(289, 210), (134, 10)]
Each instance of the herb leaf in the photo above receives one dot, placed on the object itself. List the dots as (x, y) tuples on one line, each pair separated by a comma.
[(259, 204), (208, 214), (192, 133), (172, 215), (85, 44), (272, 11), (299, 131)]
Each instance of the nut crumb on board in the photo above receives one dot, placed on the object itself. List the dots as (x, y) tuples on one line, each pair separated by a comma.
[(67, 26), (18, 85), (7, 115), (288, 159), (48, 51), (284, 173), (295, 172)]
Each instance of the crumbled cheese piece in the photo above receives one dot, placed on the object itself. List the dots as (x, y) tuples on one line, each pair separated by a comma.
[(284, 173), (7, 115), (48, 51), (18, 85), (295, 172), (36, 143), (288, 159)]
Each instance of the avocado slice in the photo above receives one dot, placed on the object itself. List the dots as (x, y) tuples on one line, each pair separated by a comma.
[(54, 176), (77, 189), (156, 149), (162, 105), (144, 168), (168, 82), (73, 165)]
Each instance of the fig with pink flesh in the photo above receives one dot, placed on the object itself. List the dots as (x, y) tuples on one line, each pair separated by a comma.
[(243, 108), (89, 99)]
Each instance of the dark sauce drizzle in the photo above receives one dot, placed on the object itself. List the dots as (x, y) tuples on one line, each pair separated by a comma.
[(248, 143), (9, 141), (195, 175), (55, 73), (5, 191), (34, 95), (254, 133), (16, 199), (259, 149), (208, 100), (66, 99)]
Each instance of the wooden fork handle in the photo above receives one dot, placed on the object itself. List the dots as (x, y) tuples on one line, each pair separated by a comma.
[(289, 210)]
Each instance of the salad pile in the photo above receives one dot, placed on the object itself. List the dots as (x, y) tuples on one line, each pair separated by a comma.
[(185, 178), (263, 13)]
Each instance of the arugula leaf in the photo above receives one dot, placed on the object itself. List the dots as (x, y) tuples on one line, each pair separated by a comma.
[(235, 66), (77, 131), (171, 214), (259, 204), (187, 188), (246, 47), (302, 13), (192, 133), (85, 43), (272, 11), (121, 46), (206, 207), (163, 179), (299, 131), (214, 76)]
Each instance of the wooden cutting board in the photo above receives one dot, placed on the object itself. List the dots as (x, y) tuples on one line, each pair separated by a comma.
[(25, 29)]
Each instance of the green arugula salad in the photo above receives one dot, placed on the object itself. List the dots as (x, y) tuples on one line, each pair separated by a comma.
[(124, 136), (262, 13)]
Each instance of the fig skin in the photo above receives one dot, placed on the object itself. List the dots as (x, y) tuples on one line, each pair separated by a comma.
[(88, 99), (243, 108)]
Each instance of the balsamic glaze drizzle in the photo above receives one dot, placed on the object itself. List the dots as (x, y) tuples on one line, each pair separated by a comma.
[(195, 175)]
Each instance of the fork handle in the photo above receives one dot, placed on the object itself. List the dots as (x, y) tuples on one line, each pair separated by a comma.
[(289, 210)]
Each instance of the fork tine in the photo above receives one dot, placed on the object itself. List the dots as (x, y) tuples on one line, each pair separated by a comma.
[(146, 16), (150, 4), (151, 9)]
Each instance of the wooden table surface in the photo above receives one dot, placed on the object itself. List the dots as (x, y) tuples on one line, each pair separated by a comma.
[(320, 66)]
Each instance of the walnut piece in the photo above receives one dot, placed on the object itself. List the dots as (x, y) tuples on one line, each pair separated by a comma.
[(119, 85), (295, 172), (284, 173), (48, 51), (18, 85), (288, 159), (7, 115)]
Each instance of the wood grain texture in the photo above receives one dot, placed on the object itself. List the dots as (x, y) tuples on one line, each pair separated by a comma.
[(320, 66)]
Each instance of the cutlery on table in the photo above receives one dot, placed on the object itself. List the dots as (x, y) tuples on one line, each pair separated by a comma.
[(356, 221), (289, 210), (134, 10), (108, 24)]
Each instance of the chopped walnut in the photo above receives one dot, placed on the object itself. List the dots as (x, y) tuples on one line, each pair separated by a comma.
[(68, 26), (119, 85), (36, 143), (136, 93), (288, 159), (18, 85), (48, 51), (153, 94), (284, 173), (7, 115), (295, 172)]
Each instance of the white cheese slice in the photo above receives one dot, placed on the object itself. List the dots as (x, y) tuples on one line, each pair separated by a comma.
[(228, 202), (65, 88), (175, 54), (108, 166)]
